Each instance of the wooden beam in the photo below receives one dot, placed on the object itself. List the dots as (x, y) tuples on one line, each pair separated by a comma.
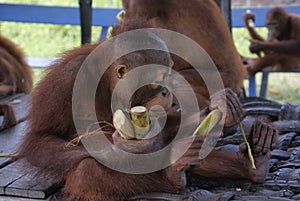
[(85, 20), (225, 6)]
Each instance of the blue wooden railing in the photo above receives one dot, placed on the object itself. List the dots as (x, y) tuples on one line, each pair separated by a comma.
[(60, 15), (260, 15), (106, 17)]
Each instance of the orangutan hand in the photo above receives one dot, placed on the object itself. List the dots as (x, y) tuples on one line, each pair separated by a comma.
[(176, 172), (228, 103), (138, 146), (256, 46), (262, 139)]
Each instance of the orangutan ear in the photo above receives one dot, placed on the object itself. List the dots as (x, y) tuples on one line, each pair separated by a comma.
[(121, 70)]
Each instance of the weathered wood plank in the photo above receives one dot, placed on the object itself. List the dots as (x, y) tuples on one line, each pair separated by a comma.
[(8, 175), (13, 181), (42, 189), (10, 140), (19, 187), (11, 198), (16, 182), (27, 186)]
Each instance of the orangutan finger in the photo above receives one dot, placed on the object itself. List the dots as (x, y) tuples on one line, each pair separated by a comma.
[(262, 138), (255, 131), (229, 118), (268, 140), (191, 158), (231, 94), (239, 109), (195, 160), (274, 138), (196, 146), (217, 100), (243, 147), (198, 140)]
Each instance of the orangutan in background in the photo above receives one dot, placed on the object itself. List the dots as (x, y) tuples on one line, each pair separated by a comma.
[(15, 77), (282, 49)]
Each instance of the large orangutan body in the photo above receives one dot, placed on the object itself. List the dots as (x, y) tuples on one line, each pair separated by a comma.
[(201, 21), (51, 123)]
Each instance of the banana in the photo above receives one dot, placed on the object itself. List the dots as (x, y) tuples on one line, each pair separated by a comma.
[(210, 121), (123, 125), (141, 122)]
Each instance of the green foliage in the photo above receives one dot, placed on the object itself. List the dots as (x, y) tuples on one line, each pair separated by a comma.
[(241, 39), (41, 40), (96, 3)]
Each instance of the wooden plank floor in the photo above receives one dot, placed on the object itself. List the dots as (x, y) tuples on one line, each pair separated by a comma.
[(15, 183), (10, 138), (282, 182)]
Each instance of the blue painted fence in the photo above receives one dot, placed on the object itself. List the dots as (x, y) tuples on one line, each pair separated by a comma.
[(106, 17)]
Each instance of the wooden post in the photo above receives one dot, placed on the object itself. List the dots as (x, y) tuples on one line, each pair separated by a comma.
[(85, 20), (225, 6)]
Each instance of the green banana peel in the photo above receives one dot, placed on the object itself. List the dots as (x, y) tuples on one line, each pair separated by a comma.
[(248, 147), (8, 155), (210, 121)]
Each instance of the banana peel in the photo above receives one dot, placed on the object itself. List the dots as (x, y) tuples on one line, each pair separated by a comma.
[(211, 120), (123, 125), (140, 120), (248, 147), (135, 127), (8, 155)]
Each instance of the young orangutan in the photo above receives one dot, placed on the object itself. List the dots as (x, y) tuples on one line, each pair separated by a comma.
[(282, 49), (51, 126), (15, 77)]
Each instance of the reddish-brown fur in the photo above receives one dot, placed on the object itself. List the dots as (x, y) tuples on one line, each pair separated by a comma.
[(15, 77), (9, 119), (282, 49), (51, 122), (51, 126), (201, 21), (15, 72)]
